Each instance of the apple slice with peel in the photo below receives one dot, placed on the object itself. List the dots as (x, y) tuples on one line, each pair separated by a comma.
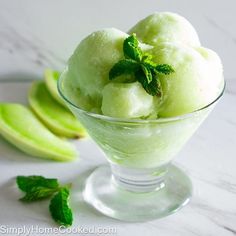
[(56, 117), (51, 77), (20, 127)]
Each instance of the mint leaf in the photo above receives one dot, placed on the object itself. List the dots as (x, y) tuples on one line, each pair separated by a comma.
[(148, 73), (131, 49), (141, 65), (164, 69), (126, 66), (38, 193), (38, 187), (153, 88), (147, 59), (26, 183), (59, 208)]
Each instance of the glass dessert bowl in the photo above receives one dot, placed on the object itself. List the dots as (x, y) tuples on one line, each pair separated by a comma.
[(140, 183)]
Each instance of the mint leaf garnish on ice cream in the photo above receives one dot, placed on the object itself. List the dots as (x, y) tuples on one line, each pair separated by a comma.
[(153, 87), (126, 66), (131, 49), (164, 69), (141, 65)]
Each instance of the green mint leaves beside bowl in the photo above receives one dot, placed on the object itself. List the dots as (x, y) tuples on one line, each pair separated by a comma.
[(38, 188)]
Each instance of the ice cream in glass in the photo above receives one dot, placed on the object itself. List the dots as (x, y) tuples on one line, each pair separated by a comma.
[(141, 95)]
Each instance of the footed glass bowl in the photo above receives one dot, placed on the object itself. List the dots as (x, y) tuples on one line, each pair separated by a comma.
[(140, 183)]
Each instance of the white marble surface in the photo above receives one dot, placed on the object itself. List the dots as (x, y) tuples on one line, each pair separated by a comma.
[(39, 34)]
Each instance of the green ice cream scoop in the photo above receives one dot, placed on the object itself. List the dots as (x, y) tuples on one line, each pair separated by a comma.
[(196, 82), (165, 27), (89, 66)]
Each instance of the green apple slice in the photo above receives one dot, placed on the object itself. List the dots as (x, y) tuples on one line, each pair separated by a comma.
[(51, 77), (56, 117), (20, 127)]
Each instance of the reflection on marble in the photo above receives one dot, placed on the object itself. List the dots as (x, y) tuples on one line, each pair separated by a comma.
[(223, 30), (14, 42), (23, 48)]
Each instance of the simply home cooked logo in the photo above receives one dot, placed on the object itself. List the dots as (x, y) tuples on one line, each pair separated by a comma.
[(31, 230)]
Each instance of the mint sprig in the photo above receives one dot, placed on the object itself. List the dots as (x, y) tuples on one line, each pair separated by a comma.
[(38, 193), (141, 65), (126, 66), (131, 49), (26, 183), (153, 88), (60, 209), (39, 187), (164, 69)]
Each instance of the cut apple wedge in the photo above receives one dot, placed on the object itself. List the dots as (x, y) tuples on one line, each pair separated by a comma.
[(21, 127), (51, 77), (57, 118)]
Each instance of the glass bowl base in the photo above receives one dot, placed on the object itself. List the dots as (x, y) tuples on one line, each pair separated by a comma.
[(102, 192)]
